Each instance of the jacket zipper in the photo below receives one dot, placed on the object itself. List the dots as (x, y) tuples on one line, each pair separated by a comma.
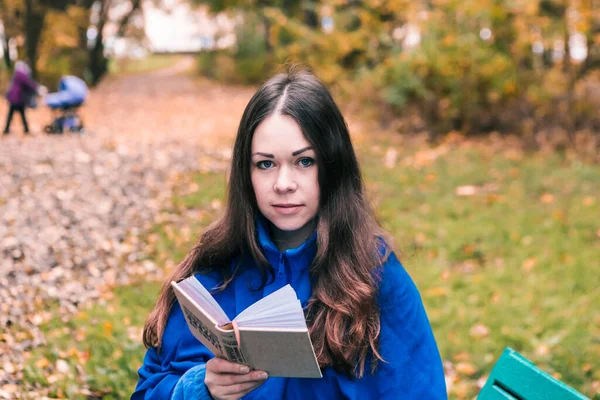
[(281, 266)]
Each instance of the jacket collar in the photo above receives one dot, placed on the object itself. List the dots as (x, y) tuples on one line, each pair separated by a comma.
[(299, 258)]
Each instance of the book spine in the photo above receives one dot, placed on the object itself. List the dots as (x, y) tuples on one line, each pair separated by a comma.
[(230, 347)]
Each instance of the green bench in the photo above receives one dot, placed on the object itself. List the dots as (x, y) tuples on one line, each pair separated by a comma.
[(516, 378)]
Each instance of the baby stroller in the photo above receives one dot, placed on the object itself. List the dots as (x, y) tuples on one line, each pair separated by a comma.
[(64, 104)]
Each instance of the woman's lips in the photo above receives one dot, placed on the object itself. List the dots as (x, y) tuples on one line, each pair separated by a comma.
[(287, 209)]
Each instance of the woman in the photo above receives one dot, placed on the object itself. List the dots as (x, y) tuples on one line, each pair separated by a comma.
[(21, 88), (297, 214)]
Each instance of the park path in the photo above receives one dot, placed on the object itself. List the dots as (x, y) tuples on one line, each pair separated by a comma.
[(72, 206)]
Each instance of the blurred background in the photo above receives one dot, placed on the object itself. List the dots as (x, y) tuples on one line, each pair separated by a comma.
[(477, 124)]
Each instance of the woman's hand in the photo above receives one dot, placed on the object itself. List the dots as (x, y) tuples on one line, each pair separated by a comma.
[(229, 381)]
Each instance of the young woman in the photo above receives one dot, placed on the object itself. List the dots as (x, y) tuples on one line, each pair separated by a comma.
[(297, 214)]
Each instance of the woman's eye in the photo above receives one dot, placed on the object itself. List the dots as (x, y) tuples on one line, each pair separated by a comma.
[(306, 162), (266, 164)]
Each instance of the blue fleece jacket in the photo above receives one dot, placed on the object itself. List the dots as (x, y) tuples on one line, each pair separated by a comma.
[(412, 367)]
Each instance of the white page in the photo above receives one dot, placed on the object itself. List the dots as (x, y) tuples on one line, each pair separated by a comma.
[(279, 313), (285, 313), (283, 296), (202, 297)]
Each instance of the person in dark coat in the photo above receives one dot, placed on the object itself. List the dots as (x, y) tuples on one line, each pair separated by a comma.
[(21, 88)]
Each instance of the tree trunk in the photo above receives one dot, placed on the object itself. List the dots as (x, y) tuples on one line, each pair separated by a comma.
[(311, 18), (98, 64), (267, 26), (568, 69), (34, 24), (7, 60)]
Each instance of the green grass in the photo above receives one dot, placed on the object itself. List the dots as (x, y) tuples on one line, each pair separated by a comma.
[(520, 259), (136, 66), (104, 340)]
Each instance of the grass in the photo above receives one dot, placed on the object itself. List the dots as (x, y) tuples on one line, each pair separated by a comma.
[(136, 66), (515, 264)]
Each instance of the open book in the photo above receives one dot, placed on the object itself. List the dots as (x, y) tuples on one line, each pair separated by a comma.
[(270, 335)]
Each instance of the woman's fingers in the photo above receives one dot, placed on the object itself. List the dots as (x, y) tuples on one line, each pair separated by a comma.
[(226, 380), (241, 389), (221, 366)]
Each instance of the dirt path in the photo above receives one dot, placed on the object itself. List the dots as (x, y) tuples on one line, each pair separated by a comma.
[(166, 105), (72, 206)]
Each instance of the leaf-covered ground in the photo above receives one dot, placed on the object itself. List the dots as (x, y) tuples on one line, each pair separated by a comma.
[(503, 245)]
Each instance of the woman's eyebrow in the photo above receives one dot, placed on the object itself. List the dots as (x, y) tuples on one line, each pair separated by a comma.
[(263, 154), (294, 154)]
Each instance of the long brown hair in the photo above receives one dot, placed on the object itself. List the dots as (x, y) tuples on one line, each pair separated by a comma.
[(342, 313)]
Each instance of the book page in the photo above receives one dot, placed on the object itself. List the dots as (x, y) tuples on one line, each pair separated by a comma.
[(196, 290), (284, 353), (279, 309)]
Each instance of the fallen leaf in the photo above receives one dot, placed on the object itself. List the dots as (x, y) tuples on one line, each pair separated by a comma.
[(9, 368), (542, 349), (391, 155), (589, 201), (467, 190), (479, 331), (62, 366), (436, 292), (557, 375), (529, 264), (547, 198), (10, 388), (108, 328), (462, 356), (215, 204), (466, 368), (42, 363)]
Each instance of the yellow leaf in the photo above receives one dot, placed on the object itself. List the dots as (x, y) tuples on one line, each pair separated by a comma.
[(466, 190), (529, 264), (542, 349), (547, 198), (557, 375), (108, 328), (80, 335), (496, 298), (10, 388), (468, 249), (589, 201), (42, 363), (479, 331), (462, 356), (436, 292), (492, 198), (83, 356), (466, 368)]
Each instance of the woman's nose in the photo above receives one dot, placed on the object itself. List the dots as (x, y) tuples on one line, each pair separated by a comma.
[(285, 181)]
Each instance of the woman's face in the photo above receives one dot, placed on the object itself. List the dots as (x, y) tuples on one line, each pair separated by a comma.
[(284, 174)]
